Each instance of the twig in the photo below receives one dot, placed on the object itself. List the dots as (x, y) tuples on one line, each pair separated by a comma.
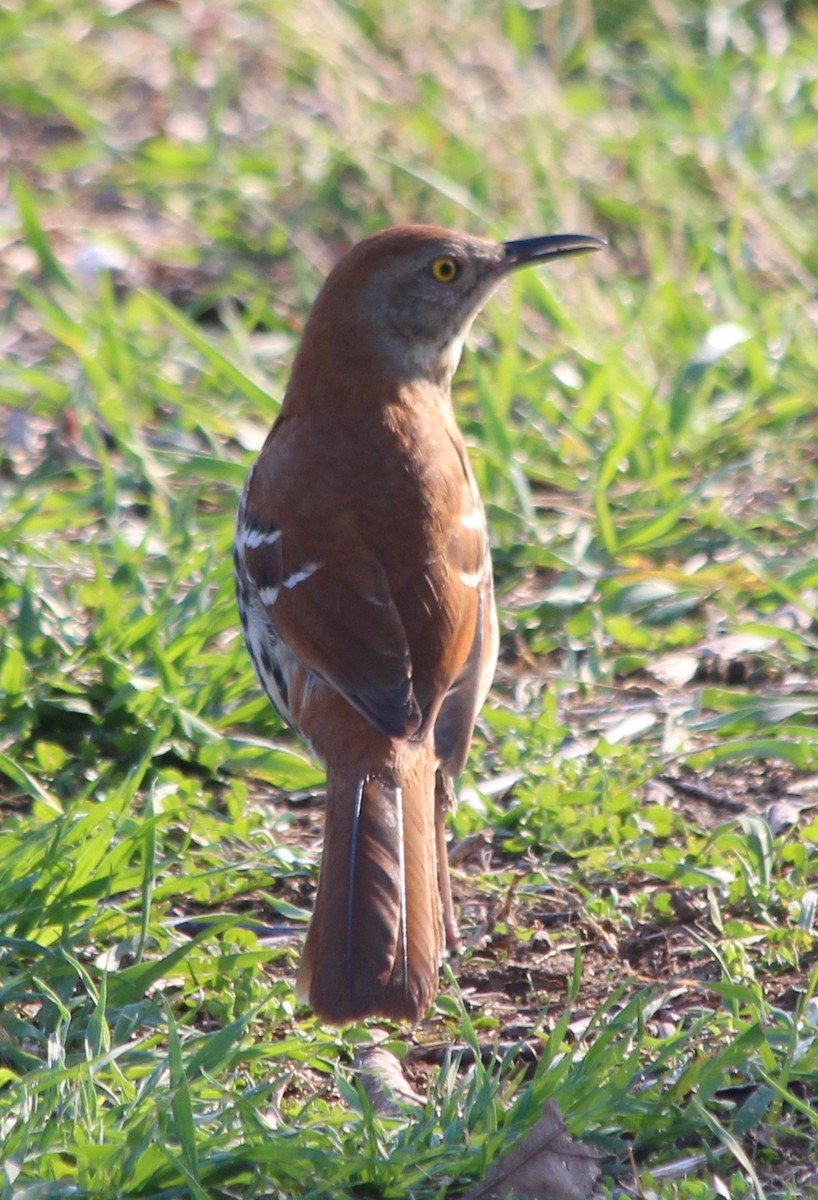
[(716, 799)]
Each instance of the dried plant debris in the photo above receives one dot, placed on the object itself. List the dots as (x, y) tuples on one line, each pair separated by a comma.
[(547, 1164)]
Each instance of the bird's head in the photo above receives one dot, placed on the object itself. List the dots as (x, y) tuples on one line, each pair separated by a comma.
[(411, 293)]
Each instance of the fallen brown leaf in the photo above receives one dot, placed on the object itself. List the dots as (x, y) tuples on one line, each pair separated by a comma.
[(545, 1165), (384, 1082)]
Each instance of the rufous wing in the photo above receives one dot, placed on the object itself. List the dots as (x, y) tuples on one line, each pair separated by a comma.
[(329, 598)]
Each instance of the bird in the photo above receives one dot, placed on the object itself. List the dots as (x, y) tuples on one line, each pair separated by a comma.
[(364, 586)]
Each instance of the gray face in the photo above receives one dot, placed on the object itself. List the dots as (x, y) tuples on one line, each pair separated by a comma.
[(435, 291), (426, 299)]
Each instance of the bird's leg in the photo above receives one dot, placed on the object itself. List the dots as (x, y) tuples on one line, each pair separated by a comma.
[(444, 801)]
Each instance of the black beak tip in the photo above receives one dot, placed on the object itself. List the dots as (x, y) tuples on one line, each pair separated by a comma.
[(556, 245)]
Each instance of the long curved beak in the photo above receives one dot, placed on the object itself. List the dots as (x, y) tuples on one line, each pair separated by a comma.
[(541, 249)]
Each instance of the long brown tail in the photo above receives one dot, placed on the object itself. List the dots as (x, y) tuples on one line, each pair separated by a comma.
[(374, 943)]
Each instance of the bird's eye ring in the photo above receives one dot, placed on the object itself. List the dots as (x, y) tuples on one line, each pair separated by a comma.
[(445, 269)]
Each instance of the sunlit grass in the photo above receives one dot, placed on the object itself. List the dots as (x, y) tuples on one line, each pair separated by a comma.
[(642, 426)]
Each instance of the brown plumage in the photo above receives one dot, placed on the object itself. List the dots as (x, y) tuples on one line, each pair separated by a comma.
[(364, 583)]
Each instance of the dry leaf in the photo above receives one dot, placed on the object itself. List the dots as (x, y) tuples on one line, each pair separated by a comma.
[(675, 669), (781, 816), (545, 1165), (384, 1082), (624, 729)]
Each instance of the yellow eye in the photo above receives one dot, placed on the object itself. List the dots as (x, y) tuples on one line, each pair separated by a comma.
[(445, 269)]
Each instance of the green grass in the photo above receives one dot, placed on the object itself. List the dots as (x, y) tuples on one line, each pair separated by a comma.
[(642, 425)]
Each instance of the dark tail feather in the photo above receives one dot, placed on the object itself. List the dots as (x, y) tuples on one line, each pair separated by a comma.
[(374, 943)]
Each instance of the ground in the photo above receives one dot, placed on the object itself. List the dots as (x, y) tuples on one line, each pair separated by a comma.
[(635, 848)]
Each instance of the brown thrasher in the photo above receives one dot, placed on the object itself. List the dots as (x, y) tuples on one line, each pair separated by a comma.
[(364, 583)]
